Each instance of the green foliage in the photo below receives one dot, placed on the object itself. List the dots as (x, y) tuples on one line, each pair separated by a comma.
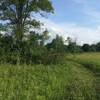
[(18, 12), (55, 51), (98, 46), (57, 45), (86, 47), (93, 48), (19, 47), (74, 48), (32, 50)]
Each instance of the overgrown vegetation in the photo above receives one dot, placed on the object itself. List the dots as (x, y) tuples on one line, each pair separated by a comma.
[(20, 43), (33, 69), (69, 81)]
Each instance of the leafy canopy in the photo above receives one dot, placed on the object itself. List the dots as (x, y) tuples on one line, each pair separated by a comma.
[(18, 13)]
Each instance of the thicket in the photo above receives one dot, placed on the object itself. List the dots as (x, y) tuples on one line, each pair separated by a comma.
[(31, 50)]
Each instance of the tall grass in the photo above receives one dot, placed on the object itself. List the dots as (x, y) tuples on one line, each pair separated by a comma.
[(69, 81)]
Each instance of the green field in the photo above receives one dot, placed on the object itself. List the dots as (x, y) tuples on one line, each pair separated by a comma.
[(76, 79)]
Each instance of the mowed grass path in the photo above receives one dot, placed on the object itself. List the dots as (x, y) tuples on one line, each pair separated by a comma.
[(69, 81), (91, 61)]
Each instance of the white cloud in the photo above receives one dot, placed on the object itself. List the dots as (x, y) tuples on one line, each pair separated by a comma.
[(89, 9), (83, 34)]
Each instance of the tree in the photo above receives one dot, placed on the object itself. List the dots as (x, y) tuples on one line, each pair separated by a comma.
[(19, 17), (55, 51), (93, 48), (72, 46), (86, 47), (69, 40), (43, 37), (18, 13), (98, 46), (57, 44)]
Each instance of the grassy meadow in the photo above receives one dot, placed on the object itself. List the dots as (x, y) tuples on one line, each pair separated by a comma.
[(88, 60), (76, 79)]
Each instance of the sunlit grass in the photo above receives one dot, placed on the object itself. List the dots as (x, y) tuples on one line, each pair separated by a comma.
[(69, 81), (90, 60)]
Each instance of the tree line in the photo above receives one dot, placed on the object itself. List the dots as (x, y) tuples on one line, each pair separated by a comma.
[(73, 47), (21, 44), (33, 49)]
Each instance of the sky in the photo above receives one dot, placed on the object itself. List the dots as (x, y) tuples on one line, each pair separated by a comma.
[(79, 19)]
